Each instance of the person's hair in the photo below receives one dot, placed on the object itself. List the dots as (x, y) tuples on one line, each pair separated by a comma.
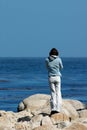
[(54, 51)]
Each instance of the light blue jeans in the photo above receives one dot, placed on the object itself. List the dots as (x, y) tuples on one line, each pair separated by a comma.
[(55, 88)]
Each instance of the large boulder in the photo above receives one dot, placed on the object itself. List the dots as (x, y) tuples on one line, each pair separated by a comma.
[(35, 102)]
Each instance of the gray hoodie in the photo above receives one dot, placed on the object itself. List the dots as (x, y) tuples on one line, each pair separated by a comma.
[(54, 65)]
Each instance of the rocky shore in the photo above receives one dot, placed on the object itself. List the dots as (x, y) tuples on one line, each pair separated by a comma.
[(33, 114)]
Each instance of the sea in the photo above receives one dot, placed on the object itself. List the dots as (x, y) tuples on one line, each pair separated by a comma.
[(23, 77)]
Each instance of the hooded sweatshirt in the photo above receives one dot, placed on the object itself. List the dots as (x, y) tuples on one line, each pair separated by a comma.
[(54, 65)]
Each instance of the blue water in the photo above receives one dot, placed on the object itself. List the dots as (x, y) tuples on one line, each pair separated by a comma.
[(22, 77)]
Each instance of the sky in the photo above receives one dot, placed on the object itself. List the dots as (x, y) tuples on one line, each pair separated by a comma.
[(31, 28)]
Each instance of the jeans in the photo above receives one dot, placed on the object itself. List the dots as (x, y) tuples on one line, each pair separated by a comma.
[(55, 88)]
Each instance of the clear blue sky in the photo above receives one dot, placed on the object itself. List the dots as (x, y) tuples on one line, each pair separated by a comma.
[(32, 27)]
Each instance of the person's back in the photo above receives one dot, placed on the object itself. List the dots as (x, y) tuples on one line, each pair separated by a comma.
[(54, 65)]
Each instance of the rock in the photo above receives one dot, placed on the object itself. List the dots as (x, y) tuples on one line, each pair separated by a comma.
[(5, 124), (77, 104), (60, 120), (45, 127), (83, 113), (36, 121), (21, 106), (69, 110), (46, 120), (60, 117), (23, 126), (34, 102), (34, 115), (76, 126)]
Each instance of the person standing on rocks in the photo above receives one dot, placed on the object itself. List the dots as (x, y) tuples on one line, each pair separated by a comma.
[(54, 65)]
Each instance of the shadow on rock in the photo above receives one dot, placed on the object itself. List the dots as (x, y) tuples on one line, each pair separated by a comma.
[(26, 118)]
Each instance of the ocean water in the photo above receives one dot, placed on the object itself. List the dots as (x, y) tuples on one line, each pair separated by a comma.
[(22, 77)]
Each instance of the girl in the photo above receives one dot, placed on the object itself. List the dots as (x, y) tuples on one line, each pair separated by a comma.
[(54, 65)]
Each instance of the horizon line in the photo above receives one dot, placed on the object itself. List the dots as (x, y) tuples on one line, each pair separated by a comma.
[(41, 57)]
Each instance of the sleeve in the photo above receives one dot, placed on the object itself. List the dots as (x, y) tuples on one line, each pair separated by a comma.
[(61, 64)]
